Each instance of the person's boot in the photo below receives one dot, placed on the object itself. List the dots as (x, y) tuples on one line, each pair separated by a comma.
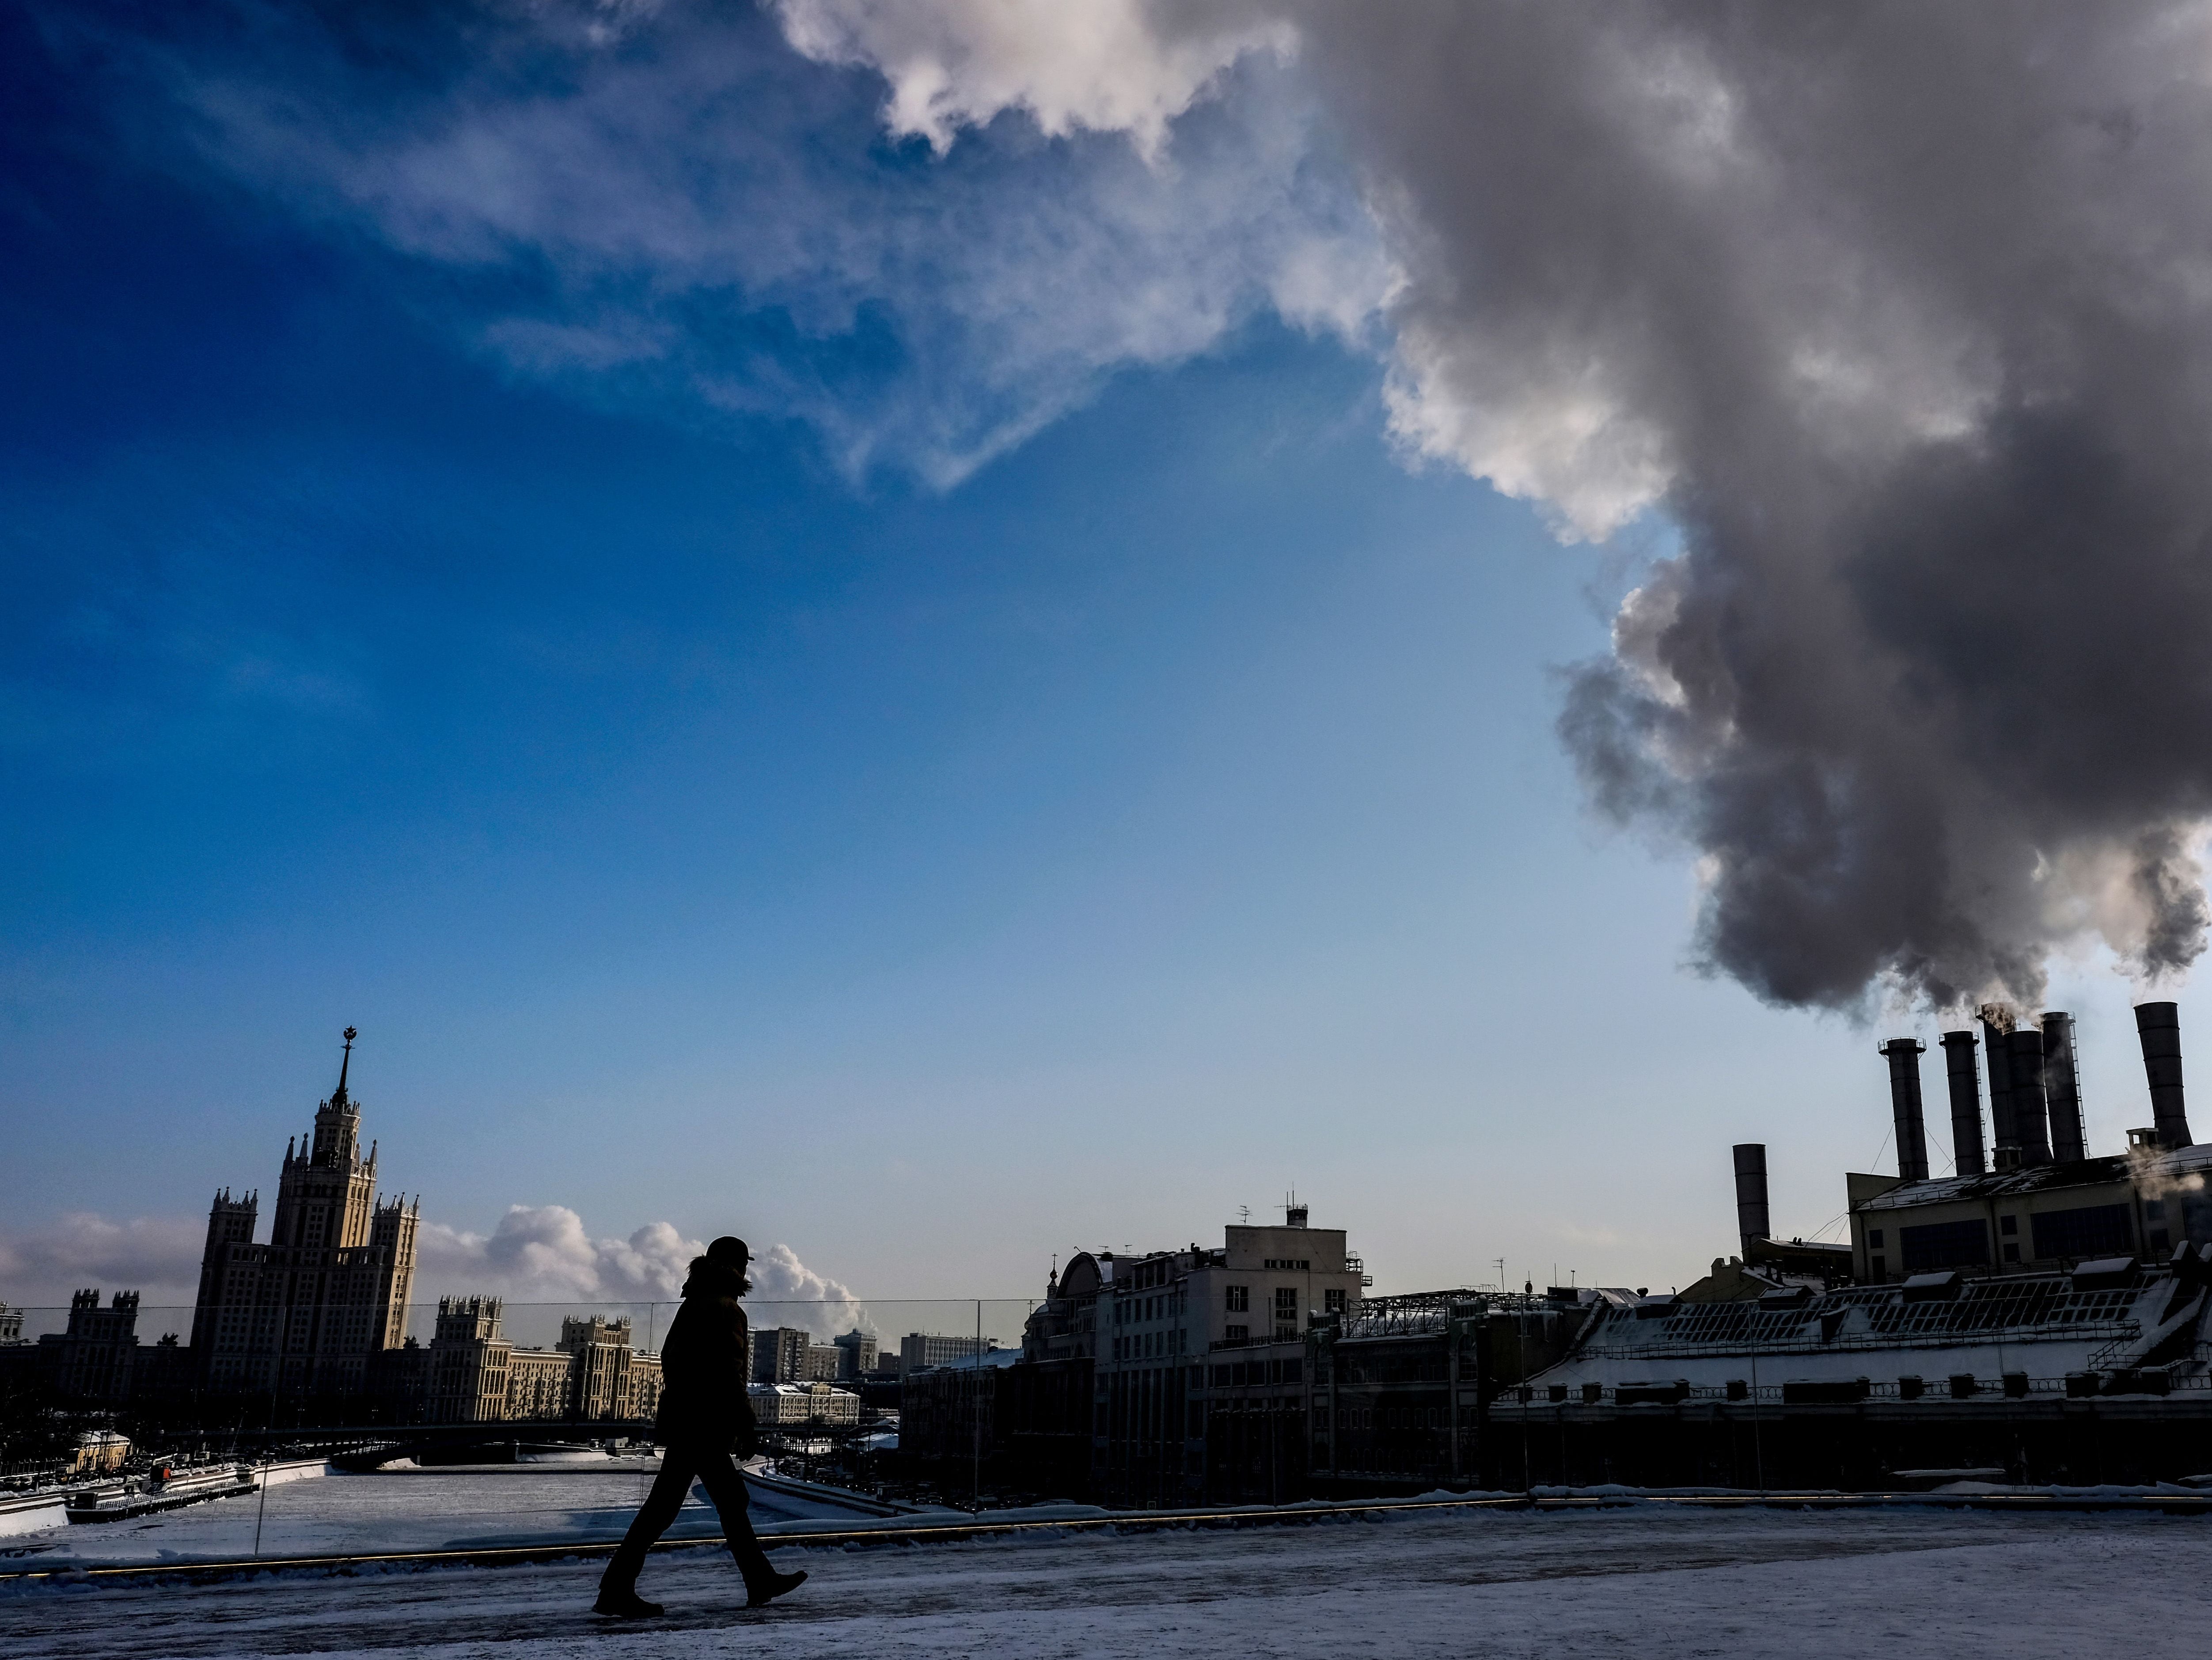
[(760, 1594), (623, 1602)]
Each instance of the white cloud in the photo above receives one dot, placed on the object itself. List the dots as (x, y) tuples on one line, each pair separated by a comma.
[(787, 1292), (694, 222), (157, 1257), (543, 1254), (1108, 65), (540, 1254)]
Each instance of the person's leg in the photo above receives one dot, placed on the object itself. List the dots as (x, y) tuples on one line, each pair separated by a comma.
[(677, 1467), (726, 1487)]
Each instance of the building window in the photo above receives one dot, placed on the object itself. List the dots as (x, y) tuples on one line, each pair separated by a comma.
[(1945, 1245), (2007, 1224), (1240, 1299), (1876, 1268), (2090, 1230), (1873, 1238), (2154, 1210), (1239, 1334), (2011, 1252), (1333, 1301), (1286, 1304)]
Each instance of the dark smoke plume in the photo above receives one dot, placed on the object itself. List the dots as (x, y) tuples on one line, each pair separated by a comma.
[(1904, 313)]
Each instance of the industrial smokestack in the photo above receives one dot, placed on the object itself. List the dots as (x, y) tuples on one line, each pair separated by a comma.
[(1751, 1219), (1966, 1081), (2030, 1114), (2062, 1088), (1996, 1029), (1904, 1055), (2158, 1025)]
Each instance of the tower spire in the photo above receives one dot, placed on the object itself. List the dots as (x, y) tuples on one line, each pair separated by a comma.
[(339, 1099)]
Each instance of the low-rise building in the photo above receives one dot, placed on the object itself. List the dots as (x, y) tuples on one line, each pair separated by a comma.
[(1199, 1376), (1399, 1388), (784, 1405), (949, 1414), (476, 1376), (918, 1349)]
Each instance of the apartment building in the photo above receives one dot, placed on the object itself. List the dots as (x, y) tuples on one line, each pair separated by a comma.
[(1199, 1380)]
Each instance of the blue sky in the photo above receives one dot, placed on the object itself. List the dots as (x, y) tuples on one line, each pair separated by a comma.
[(930, 852)]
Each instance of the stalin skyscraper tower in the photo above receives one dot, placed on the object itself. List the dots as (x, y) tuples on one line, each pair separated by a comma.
[(308, 1312)]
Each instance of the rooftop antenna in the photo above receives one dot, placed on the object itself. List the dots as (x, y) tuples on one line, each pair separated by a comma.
[(1244, 1215)]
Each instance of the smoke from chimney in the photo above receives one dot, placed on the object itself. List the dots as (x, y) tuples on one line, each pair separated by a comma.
[(1896, 312)]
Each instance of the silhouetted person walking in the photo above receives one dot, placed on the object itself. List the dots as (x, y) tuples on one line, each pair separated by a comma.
[(704, 1412)]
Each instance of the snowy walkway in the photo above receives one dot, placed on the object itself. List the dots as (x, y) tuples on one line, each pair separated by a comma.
[(1645, 1582)]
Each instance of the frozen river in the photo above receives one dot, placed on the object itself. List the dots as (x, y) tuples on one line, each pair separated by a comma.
[(1643, 1581), (399, 1510)]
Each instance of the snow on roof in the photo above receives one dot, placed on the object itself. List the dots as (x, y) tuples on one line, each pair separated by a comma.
[(2037, 1178), (2047, 1324), (2089, 1172), (995, 1358)]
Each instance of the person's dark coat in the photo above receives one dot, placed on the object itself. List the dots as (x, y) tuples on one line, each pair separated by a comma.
[(704, 1363)]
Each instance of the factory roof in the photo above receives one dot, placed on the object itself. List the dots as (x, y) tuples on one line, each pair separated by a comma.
[(2038, 1178), (2034, 1178), (2103, 1316)]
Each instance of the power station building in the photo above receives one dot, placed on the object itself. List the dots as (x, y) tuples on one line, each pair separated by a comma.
[(2040, 1316), (2043, 1199), (309, 1312)]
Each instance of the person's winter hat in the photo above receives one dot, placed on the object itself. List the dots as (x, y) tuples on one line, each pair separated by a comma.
[(728, 1252)]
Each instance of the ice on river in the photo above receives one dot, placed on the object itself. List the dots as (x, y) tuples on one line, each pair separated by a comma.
[(401, 1510)]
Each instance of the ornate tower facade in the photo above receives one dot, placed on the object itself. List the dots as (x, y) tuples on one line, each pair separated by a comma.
[(327, 1189), (309, 1312)]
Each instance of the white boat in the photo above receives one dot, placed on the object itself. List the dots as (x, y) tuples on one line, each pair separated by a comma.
[(166, 1488)]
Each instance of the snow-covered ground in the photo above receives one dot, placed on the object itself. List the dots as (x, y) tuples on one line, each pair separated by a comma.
[(1647, 1581)]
